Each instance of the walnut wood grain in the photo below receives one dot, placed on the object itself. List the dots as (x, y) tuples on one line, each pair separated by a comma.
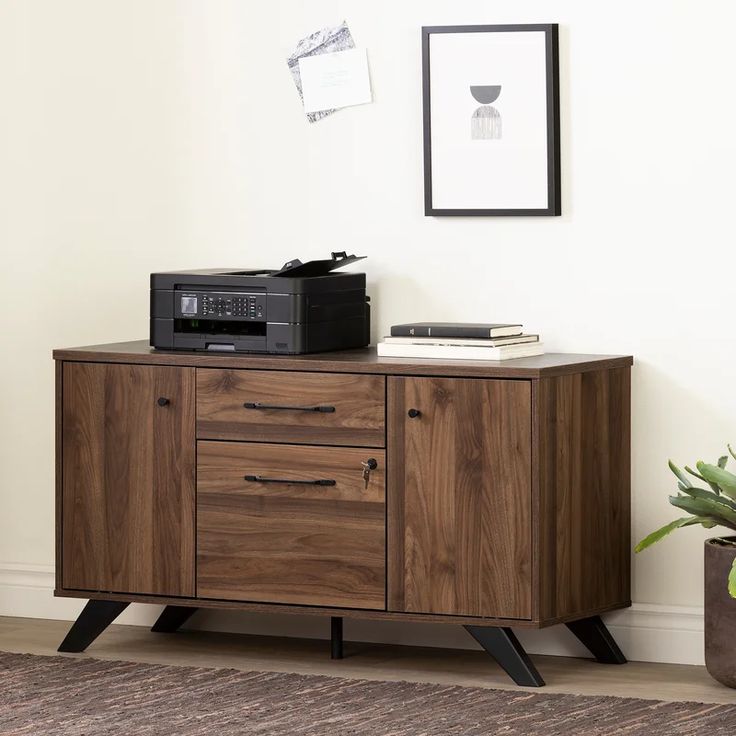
[(128, 479), (364, 360), (358, 401), (460, 525), (577, 560), (584, 429), (288, 543), (58, 476)]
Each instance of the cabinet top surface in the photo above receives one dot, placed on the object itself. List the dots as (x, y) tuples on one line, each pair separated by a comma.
[(364, 360)]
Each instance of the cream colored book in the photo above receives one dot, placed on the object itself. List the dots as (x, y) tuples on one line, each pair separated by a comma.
[(458, 352)]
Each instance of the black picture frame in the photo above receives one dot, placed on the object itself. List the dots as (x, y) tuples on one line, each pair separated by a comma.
[(551, 31)]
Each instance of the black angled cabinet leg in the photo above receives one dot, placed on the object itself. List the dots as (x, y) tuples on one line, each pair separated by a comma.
[(505, 648), (336, 637), (96, 616), (598, 639), (171, 618)]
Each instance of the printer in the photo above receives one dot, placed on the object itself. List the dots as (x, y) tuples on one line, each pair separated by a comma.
[(300, 308)]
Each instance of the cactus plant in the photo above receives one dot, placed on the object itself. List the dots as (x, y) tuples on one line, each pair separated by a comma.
[(714, 505)]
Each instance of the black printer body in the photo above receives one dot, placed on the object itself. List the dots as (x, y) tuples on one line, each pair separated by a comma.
[(301, 308)]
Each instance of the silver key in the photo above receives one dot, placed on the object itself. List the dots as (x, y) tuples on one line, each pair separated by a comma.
[(368, 465)]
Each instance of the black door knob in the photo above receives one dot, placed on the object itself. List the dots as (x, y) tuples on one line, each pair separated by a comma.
[(163, 401), (414, 413)]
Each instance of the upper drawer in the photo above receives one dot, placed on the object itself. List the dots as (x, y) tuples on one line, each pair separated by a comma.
[(287, 406)]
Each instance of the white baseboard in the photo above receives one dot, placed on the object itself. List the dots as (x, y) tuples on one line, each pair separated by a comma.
[(645, 632)]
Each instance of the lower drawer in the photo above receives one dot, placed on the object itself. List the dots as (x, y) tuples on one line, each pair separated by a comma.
[(267, 531)]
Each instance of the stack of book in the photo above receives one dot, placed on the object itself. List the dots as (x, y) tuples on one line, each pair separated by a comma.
[(459, 341)]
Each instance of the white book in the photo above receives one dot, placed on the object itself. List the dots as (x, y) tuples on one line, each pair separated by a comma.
[(474, 341), (458, 352)]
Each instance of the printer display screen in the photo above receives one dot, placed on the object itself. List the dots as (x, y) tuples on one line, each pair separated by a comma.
[(189, 305)]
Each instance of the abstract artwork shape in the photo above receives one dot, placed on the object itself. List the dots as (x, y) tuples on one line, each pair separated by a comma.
[(486, 94), (485, 123), (324, 41)]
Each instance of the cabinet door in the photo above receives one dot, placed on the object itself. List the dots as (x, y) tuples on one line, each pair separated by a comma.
[(128, 478), (459, 497)]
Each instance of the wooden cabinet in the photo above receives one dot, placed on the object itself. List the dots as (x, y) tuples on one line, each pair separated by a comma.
[(460, 523), (485, 494), (128, 479)]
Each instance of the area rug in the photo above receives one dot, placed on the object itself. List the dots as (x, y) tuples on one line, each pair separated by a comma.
[(84, 697)]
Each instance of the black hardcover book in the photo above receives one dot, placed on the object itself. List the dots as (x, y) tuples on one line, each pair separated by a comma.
[(455, 329)]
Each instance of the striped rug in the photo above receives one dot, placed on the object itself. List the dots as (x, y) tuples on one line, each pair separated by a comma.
[(67, 696)]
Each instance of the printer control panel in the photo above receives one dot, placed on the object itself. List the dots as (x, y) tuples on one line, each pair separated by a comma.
[(224, 305)]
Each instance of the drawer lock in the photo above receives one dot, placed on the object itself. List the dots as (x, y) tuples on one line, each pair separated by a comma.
[(370, 464)]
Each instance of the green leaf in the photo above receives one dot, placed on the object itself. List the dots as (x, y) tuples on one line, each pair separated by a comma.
[(680, 475), (715, 488), (722, 478), (730, 449), (649, 540), (718, 512), (732, 580), (697, 475), (722, 460), (710, 496)]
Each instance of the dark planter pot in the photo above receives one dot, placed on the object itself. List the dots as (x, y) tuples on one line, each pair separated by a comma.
[(720, 614)]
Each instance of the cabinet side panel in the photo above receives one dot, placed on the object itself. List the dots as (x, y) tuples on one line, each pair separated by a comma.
[(618, 570), (58, 480), (584, 429)]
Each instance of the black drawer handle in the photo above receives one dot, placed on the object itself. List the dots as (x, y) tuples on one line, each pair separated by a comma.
[(163, 401), (258, 405), (414, 413), (319, 482)]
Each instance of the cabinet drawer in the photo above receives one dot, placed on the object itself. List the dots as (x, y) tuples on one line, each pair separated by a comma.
[(286, 406), (263, 536)]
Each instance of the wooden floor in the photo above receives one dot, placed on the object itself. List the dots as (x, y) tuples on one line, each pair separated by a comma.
[(368, 661)]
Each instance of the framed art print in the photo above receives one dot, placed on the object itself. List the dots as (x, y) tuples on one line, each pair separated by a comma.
[(491, 120)]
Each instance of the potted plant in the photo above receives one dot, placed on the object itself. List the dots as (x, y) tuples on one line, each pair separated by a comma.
[(711, 502)]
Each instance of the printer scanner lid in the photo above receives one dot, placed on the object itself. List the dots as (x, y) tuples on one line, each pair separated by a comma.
[(317, 268)]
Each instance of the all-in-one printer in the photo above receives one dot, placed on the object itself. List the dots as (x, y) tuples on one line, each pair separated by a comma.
[(300, 308)]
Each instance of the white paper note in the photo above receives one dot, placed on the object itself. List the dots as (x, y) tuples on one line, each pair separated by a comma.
[(339, 79)]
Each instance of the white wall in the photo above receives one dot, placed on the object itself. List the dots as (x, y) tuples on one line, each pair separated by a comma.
[(158, 134)]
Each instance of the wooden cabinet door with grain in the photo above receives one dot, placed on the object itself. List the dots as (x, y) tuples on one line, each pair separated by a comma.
[(128, 493), (460, 497)]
